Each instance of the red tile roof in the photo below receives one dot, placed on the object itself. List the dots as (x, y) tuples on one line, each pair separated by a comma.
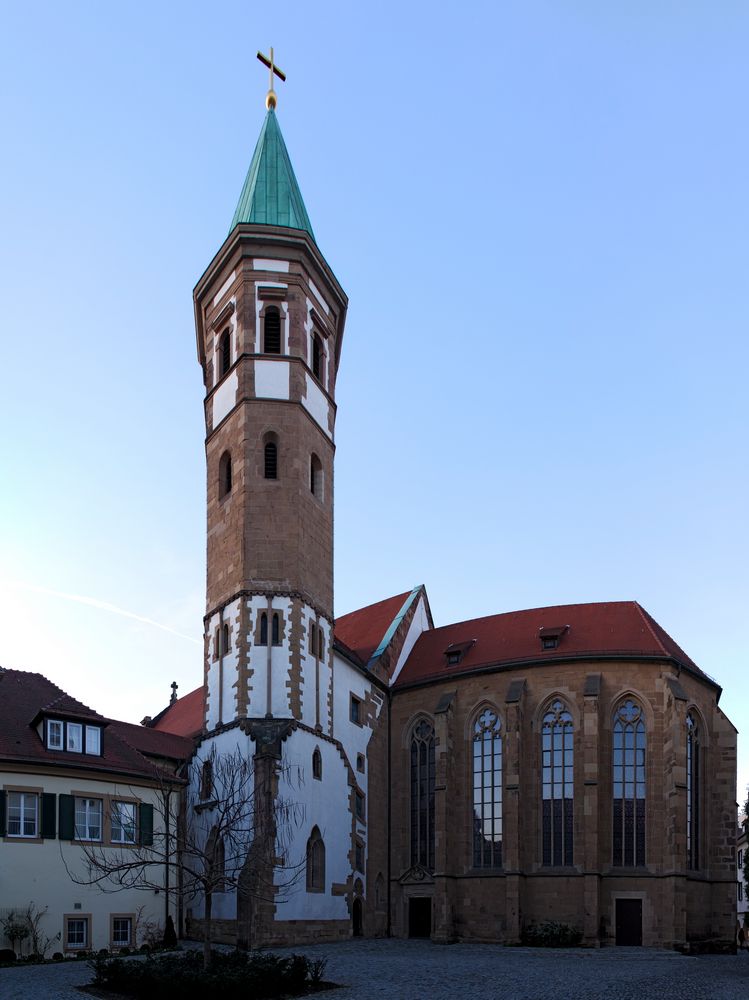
[(362, 631), (617, 628), (152, 742), (25, 697), (183, 717)]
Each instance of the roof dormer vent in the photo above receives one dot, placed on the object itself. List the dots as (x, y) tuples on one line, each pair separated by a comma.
[(456, 651), (551, 635)]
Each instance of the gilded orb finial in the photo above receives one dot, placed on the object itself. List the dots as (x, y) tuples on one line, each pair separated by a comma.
[(271, 100)]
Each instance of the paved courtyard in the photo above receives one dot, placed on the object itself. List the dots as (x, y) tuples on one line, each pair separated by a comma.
[(419, 970)]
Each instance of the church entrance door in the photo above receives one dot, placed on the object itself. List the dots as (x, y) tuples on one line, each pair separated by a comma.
[(358, 920), (420, 917), (629, 921)]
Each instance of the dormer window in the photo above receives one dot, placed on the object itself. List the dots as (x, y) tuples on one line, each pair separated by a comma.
[(93, 740), (54, 735), (456, 651), (75, 737), (551, 635)]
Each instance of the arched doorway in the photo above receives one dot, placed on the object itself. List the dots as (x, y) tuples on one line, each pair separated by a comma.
[(357, 916)]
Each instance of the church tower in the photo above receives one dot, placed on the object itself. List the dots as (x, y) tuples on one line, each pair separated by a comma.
[(269, 316)]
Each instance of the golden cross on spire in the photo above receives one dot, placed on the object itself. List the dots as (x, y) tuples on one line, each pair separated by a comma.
[(270, 97)]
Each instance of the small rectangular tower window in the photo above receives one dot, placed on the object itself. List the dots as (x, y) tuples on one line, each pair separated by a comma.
[(355, 710)]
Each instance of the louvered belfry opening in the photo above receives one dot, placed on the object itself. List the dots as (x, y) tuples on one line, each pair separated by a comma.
[(272, 331), (271, 461)]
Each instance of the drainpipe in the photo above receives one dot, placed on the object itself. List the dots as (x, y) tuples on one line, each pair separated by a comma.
[(221, 666), (390, 808), (317, 669)]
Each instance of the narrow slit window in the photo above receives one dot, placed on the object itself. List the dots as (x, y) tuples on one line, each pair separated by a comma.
[(224, 354), (315, 476), (272, 331), (275, 631), (271, 460), (225, 640), (224, 475), (317, 356)]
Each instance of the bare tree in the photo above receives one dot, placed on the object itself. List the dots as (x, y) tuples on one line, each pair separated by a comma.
[(231, 833)]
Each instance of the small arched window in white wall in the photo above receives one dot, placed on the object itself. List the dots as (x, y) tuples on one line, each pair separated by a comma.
[(315, 862)]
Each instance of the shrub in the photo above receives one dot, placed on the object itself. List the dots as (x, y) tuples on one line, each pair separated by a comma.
[(232, 976), (58, 956), (551, 934), (7, 955)]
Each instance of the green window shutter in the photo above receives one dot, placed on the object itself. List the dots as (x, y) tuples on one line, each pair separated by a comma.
[(66, 808), (2, 814), (49, 804), (146, 824)]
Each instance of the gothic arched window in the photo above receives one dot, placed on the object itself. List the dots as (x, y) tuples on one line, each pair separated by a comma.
[(224, 354), (487, 791), (317, 764), (225, 639), (557, 784), (315, 862), (263, 640), (693, 791), (206, 780), (272, 331), (628, 776), (275, 635), (271, 460), (422, 795), (224, 475)]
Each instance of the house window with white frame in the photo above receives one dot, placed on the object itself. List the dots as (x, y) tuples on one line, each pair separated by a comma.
[(122, 932), (76, 932), (74, 737), (123, 822), (54, 734), (93, 740), (88, 814), (23, 814)]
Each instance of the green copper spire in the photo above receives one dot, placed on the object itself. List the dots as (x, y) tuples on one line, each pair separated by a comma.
[(271, 194)]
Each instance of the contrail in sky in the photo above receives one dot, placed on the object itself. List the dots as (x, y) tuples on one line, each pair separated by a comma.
[(103, 605)]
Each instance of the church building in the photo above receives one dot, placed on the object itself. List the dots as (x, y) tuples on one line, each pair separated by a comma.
[(461, 782)]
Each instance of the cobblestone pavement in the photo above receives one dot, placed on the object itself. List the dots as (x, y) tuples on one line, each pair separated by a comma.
[(419, 970)]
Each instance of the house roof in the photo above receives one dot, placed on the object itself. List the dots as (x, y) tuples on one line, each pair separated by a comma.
[(154, 743), (183, 716), (619, 629), (25, 697), (362, 631), (271, 194)]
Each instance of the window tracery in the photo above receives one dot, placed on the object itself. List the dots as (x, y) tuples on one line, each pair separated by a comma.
[(422, 795), (557, 784), (487, 791), (628, 776)]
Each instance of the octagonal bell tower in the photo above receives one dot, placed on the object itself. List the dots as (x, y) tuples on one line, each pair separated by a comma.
[(269, 317)]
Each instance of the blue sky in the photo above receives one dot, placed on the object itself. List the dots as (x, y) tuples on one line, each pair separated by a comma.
[(539, 213)]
